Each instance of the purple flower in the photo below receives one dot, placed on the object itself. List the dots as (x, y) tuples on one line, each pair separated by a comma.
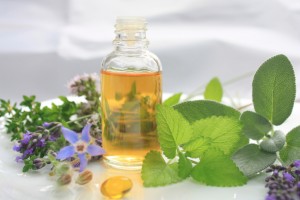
[(271, 197), (26, 138), (288, 177), (46, 124), (297, 163), (79, 146), (17, 147)]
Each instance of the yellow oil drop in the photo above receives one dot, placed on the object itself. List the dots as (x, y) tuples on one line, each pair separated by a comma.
[(116, 187)]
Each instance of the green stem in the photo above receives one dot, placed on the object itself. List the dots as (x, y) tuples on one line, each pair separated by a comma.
[(68, 122), (200, 89)]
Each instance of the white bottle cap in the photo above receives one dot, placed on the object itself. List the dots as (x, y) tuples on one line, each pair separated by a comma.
[(130, 23)]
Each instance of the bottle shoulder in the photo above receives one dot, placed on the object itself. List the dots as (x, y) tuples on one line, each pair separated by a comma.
[(142, 61)]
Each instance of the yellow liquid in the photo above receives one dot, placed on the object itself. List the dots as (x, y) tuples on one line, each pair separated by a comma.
[(128, 116)]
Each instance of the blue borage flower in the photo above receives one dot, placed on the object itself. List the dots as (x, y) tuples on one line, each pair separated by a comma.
[(80, 146)]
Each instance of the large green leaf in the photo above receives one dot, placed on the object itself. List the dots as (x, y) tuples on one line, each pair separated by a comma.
[(251, 160), (172, 100), (222, 133), (217, 169), (196, 110), (156, 172), (173, 130), (274, 89), (291, 151), (214, 90), (255, 125)]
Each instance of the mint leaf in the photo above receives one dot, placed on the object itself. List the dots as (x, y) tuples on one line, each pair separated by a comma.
[(196, 110), (155, 171), (291, 151), (172, 100), (274, 143), (214, 90), (184, 166), (251, 160), (274, 89), (217, 169), (222, 133), (255, 125), (173, 130)]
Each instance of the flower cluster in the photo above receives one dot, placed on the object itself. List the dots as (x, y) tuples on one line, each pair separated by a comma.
[(34, 145), (86, 85), (284, 182)]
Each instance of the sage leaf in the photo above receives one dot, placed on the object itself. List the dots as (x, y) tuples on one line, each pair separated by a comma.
[(201, 109), (274, 89), (173, 130), (172, 100), (255, 125), (251, 160), (214, 90), (291, 151), (156, 172), (274, 143), (222, 133), (217, 169)]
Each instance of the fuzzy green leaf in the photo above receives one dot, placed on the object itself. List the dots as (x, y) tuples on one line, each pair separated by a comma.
[(184, 166), (172, 100), (201, 109), (251, 160), (291, 151), (155, 171), (255, 125), (214, 90), (274, 89), (274, 143), (217, 169), (173, 130), (222, 133)]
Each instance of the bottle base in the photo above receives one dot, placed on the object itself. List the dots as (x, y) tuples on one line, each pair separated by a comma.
[(124, 162)]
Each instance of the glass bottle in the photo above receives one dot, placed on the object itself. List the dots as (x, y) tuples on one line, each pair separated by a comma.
[(130, 91)]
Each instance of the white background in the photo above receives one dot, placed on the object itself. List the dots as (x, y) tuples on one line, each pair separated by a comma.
[(44, 43)]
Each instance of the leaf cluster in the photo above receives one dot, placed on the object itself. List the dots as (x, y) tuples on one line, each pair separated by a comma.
[(209, 141)]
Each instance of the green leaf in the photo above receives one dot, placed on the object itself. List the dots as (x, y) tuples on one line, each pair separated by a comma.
[(251, 160), (155, 171), (222, 133), (196, 110), (274, 89), (217, 169), (184, 166), (173, 130), (255, 125), (172, 100), (291, 151), (214, 90), (274, 143)]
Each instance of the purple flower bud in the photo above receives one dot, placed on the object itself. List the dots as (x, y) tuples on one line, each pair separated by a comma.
[(39, 163), (297, 163), (271, 197), (46, 124), (26, 138), (19, 159), (17, 147), (288, 177)]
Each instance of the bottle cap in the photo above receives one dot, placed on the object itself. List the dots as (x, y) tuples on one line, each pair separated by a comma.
[(130, 23)]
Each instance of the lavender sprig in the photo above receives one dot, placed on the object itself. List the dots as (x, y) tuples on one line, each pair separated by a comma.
[(284, 182)]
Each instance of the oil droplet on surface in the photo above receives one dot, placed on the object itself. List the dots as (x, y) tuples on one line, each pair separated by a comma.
[(116, 187)]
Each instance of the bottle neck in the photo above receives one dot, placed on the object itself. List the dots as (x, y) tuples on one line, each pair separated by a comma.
[(131, 40)]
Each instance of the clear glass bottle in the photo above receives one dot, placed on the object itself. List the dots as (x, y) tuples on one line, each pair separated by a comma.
[(130, 91)]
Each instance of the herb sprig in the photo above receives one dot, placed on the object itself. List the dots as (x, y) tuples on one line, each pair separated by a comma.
[(213, 143)]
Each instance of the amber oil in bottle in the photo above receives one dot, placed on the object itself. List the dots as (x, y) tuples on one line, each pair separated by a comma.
[(131, 89)]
